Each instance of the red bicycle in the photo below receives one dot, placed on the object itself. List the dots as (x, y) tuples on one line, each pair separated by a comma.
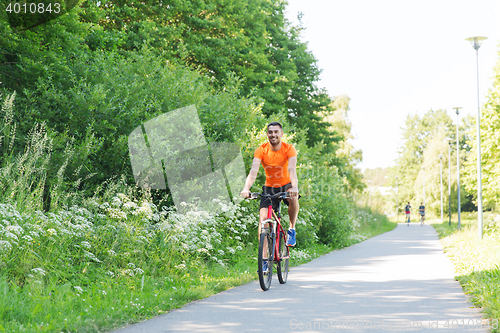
[(272, 243)]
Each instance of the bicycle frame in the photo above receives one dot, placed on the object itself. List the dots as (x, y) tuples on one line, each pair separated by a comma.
[(276, 230)]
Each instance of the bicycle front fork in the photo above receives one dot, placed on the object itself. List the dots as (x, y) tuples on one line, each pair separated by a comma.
[(272, 232), (267, 229)]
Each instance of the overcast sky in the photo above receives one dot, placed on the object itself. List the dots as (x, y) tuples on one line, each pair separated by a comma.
[(399, 57)]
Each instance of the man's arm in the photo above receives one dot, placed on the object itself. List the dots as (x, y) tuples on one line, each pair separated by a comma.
[(292, 171), (251, 177)]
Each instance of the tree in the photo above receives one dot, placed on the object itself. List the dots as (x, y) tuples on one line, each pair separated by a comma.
[(423, 141), (416, 135), (345, 155)]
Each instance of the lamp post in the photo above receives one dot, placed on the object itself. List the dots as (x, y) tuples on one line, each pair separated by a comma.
[(449, 179), (476, 44), (370, 193), (424, 185), (441, 166), (458, 170), (397, 203)]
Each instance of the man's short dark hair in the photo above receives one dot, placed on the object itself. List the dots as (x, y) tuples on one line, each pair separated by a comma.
[(274, 123)]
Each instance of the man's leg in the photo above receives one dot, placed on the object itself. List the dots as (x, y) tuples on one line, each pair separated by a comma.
[(293, 210), (262, 217)]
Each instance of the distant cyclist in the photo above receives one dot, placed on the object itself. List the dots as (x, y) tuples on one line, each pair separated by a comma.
[(407, 211), (421, 210), (279, 160)]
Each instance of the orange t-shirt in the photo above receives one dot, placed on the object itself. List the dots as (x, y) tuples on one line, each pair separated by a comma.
[(275, 163)]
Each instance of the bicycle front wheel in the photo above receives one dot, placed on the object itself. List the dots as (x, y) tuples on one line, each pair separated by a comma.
[(284, 258), (265, 261)]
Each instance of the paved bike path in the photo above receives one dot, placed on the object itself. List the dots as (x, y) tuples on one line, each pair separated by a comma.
[(397, 281)]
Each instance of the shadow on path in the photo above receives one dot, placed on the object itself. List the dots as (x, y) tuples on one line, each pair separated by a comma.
[(398, 281)]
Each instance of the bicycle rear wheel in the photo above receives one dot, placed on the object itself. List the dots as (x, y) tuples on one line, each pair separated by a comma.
[(265, 261), (284, 256)]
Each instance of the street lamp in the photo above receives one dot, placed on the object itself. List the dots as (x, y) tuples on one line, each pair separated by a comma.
[(476, 44), (397, 203), (458, 170), (424, 185), (449, 178), (441, 164), (370, 193)]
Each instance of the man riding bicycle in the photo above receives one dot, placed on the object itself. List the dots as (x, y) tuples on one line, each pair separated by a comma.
[(421, 210), (279, 160), (407, 211)]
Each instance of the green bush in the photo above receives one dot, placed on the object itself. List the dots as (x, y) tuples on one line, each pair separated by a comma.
[(324, 196), (109, 95)]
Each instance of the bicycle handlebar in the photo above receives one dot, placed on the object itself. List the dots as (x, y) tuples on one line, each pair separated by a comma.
[(280, 195)]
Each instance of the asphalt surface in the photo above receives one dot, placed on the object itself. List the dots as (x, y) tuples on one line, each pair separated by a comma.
[(395, 282)]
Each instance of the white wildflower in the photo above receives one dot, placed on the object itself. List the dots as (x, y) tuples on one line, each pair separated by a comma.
[(145, 209), (91, 256), (180, 266), (5, 246), (86, 244), (116, 202), (38, 270), (15, 229), (52, 232), (130, 205), (117, 213), (112, 253), (128, 272), (79, 289), (11, 235)]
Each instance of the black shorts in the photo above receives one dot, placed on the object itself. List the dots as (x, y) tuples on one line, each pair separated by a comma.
[(264, 202)]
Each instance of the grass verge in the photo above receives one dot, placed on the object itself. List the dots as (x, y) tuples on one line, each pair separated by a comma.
[(476, 261), (369, 223)]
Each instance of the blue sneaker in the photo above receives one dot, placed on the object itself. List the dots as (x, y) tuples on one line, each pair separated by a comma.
[(291, 237), (265, 267)]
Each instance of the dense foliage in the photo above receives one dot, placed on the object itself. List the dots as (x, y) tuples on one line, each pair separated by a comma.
[(88, 74), (73, 226)]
